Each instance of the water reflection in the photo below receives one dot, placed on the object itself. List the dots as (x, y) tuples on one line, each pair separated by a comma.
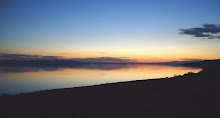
[(26, 79), (17, 69)]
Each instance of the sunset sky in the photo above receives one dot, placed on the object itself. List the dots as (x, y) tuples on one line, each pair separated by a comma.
[(140, 30)]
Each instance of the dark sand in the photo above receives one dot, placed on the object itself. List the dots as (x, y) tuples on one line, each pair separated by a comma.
[(193, 95)]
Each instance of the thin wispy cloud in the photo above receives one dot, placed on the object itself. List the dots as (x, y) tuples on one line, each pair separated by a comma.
[(39, 57), (210, 31), (101, 52), (104, 59), (188, 59), (27, 57)]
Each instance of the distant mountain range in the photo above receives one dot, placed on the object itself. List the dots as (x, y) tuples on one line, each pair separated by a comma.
[(70, 63)]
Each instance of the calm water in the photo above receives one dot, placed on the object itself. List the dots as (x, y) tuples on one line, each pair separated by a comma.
[(15, 80)]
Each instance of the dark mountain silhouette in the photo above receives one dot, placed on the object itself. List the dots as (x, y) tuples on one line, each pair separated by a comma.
[(193, 95), (72, 63), (17, 66)]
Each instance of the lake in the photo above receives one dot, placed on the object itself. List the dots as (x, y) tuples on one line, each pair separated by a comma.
[(14, 80)]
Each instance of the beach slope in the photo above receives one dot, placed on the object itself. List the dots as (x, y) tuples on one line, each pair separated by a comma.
[(193, 95)]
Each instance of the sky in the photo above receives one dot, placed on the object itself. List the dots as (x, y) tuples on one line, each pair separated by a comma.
[(140, 30)]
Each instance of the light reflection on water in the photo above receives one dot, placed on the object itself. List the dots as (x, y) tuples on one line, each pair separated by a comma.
[(15, 80)]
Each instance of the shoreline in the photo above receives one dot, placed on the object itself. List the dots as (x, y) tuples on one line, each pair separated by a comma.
[(191, 95), (104, 84), (155, 76), (188, 76)]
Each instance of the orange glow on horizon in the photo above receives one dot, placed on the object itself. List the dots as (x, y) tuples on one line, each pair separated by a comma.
[(142, 55)]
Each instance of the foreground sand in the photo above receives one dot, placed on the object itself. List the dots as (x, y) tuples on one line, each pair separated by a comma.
[(188, 96)]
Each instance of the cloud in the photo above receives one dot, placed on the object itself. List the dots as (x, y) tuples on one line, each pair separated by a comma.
[(27, 57), (188, 59), (101, 52), (50, 57), (210, 31), (39, 57), (17, 56), (103, 59)]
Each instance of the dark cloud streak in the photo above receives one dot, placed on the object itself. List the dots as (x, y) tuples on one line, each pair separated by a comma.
[(103, 59), (27, 57), (188, 59), (38, 57), (210, 31)]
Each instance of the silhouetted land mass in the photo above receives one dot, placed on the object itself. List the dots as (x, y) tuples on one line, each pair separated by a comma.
[(18, 66), (72, 63), (193, 95)]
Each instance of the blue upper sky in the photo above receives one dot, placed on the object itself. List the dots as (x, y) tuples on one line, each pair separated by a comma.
[(145, 29)]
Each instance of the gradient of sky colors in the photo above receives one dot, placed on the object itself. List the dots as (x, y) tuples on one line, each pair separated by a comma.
[(146, 30)]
